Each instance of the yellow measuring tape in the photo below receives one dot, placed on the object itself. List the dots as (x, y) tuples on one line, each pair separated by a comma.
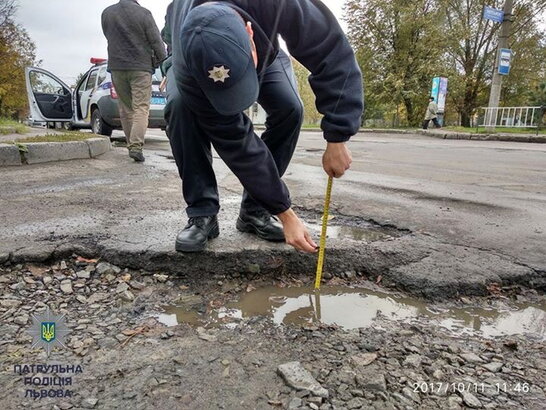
[(322, 244)]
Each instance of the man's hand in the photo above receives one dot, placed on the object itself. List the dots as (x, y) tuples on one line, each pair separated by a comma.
[(336, 159), (296, 233)]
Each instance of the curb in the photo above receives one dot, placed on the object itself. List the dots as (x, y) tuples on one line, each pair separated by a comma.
[(9, 155), (361, 131), (447, 135), (537, 139), (41, 152)]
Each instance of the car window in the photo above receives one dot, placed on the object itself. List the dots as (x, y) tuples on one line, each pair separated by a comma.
[(81, 84), (92, 80), (44, 84), (102, 76)]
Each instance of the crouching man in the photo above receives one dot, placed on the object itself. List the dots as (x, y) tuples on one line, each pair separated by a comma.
[(226, 56)]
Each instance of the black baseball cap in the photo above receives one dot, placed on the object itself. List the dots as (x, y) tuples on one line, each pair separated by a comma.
[(218, 54)]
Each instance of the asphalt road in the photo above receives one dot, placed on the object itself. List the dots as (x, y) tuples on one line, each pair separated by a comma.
[(484, 194), (480, 194), (476, 210)]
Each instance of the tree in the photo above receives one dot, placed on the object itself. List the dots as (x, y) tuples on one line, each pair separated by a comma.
[(17, 51), (472, 44), (78, 79), (7, 11), (537, 96), (398, 44), (311, 114), (528, 68), (402, 44)]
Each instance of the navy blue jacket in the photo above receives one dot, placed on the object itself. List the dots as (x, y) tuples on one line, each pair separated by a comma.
[(314, 38)]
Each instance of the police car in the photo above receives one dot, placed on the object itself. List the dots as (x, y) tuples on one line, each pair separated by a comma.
[(93, 104)]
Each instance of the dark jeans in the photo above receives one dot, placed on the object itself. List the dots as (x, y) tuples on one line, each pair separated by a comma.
[(259, 163), (434, 120)]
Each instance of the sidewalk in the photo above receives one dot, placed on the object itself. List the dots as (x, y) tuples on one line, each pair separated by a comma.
[(39, 152), (457, 135), (445, 134)]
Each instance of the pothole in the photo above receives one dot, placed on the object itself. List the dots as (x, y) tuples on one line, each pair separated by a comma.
[(355, 233), (352, 228), (352, 308)]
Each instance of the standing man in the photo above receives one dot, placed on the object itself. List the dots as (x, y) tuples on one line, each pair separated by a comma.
[(226, 56), (431, 114), (135, 49)]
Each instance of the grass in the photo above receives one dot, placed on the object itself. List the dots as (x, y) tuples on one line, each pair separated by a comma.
[(498, 130), (12, 127), (60, 137)]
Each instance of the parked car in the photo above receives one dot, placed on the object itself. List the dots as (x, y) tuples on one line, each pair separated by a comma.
[(93, 104)]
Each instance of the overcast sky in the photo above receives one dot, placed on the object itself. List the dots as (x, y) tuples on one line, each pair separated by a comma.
[(68, 32)]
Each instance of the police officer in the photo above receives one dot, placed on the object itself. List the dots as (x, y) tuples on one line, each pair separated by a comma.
[(226, 56)]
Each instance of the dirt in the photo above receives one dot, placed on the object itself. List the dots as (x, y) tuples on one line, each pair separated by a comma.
[(131, 360)]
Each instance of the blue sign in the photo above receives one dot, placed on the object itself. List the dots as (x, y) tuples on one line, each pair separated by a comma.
[(435, 88), (505, 60), (489, 13), (439, 92)]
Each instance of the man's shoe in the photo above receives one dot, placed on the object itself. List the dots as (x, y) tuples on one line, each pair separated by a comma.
[(196, 234), (262, 224), (137, 155)]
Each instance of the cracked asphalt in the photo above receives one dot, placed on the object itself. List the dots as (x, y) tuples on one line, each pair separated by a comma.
[(457, 215)]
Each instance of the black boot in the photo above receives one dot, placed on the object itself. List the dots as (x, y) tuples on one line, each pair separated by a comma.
[(196, 234), (262, 224)]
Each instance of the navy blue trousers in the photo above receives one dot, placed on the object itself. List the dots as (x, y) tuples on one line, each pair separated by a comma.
[(259, 163)]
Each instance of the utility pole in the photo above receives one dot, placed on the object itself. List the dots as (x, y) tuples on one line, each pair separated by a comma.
[(496, 83)]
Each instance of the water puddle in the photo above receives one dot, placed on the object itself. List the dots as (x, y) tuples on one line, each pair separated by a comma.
[(354, 233), (352, 308)]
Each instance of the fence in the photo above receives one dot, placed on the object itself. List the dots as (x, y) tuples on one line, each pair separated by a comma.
[(512, 117)]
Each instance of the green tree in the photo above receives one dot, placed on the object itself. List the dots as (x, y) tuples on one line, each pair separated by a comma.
[(528, 68), (471, 44), (401, 45), (311, 114), (537, 96), (17, 51), (398, 45)]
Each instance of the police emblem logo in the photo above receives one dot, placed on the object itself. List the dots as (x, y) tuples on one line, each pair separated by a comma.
[(48, 330), (219, 73)]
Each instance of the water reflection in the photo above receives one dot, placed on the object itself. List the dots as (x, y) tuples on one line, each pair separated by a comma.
[(352, 308)]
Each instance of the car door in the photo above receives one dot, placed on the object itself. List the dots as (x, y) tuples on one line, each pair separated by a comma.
[(85, 93), (49, 98)]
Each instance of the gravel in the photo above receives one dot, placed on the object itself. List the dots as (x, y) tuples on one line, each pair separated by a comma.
[(130, 360)]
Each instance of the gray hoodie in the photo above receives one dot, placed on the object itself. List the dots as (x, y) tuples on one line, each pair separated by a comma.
[(133, 38)]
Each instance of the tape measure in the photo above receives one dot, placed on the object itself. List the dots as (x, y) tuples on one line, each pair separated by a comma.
[(322, 244)]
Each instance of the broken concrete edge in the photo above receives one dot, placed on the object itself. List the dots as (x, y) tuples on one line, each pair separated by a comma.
[(40, 152), (369, 262), (451, 135)]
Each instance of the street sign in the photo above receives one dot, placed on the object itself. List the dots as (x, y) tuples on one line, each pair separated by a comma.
[(505, 59), (489, 13)]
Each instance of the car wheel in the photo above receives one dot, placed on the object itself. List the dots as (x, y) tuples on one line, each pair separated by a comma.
[(98, 126)]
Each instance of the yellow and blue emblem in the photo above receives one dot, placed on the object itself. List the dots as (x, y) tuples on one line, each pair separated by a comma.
[(48, 331)]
